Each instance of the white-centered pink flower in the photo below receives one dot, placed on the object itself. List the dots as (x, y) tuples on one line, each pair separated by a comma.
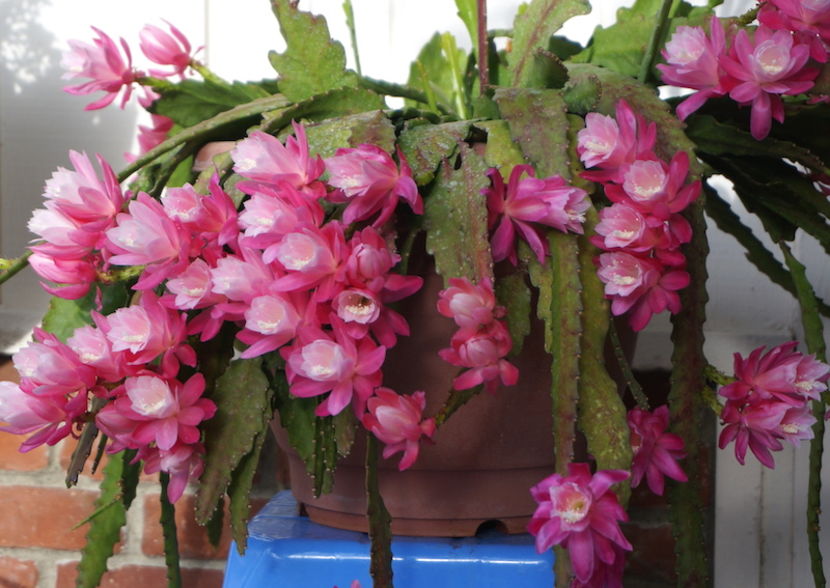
[(22, 413), (106, 68), (398, 421), (483, 351), (368, 179), (809, 19), (271, 321), (263, 158), (767, 66)]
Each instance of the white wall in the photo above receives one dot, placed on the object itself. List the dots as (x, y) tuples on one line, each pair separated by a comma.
[(760, 513)]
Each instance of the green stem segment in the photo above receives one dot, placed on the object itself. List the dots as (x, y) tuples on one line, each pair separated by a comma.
[(14, 266), (657, 35), (401, 91), (379, 521), (171, 541), (349, 11), (814, 335), (692, 421), (628, 375)]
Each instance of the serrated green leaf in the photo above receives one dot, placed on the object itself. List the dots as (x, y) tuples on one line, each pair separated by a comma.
[(215, 526), (455, 218), (532, 30), (190, 102), (345, 426), (539, 125), (329, 135), (425, 146), (502, 151), (105, 528), (64, 316), (242, 396), (513, 293), (312, 63), (239, 491)]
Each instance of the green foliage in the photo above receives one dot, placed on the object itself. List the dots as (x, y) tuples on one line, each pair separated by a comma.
[(372, 127), (191, 101), (436, 71), (240, 486), (171, 540), (244, 403), (312, 63), (539, 125), (513, 293), (64, 316), (532, 30), (426, 146), (455, 218), (468, 13), (117, 492)]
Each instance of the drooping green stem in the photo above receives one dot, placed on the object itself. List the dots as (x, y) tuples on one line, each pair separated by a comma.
[(347, 8), (814, 336), (628, 375), (449, 48), (171, 541), (455, 400), (10, 267), (253, 108), (691, 420), (379, 520), (657, 34)]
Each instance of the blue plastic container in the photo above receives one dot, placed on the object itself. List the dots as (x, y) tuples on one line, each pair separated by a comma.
[(286, 550)]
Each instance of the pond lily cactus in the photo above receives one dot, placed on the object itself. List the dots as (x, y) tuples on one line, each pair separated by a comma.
[(249, 261)]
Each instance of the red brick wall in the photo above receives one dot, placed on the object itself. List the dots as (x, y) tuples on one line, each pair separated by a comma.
[(39, 549)]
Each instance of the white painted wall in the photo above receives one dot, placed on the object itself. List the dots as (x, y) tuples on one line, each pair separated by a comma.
[(760, 518)]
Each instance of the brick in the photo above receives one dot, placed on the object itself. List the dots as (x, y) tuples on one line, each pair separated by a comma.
[(15, 573), (7, 371), (193, 541), (12, 459), (133, 576), (44, 517)]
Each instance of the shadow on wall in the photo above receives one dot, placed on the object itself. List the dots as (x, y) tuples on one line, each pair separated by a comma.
[(39, 124)]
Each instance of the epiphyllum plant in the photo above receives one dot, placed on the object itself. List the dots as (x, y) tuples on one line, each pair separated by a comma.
[(275, 266)]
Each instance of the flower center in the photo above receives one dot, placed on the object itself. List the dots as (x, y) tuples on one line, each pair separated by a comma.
[(570, 502), (772, 58)]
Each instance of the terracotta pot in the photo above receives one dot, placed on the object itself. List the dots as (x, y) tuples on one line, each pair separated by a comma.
[(485, 457)]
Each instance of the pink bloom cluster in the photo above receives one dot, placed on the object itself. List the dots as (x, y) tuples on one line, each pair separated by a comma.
[(287, 278), (770, 401), (110, 70), (482, 341), (130, 359), (521, 207), (642, 231), (581, 512), (754, 69), (656, 452)]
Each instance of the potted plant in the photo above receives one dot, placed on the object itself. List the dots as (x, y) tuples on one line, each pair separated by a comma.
[(267, 252)]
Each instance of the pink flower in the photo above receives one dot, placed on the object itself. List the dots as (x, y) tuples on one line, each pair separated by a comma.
[(369, 180), (45, 416), (183, 462), (580, 512), (211, 217), (103, 64), (357, 306), (693, 61), (810, 19), (76, 275), (398, 421), (753, 425), (95, 350), (192, 287), (469, 305), (312, 257), (265, 159), (270, 322), (147, 236), (768, 66), (656, 452), (609, 143), (483, 351), (48, 367), (348, 369), (622, 227), (165, 48), (164, 412)]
